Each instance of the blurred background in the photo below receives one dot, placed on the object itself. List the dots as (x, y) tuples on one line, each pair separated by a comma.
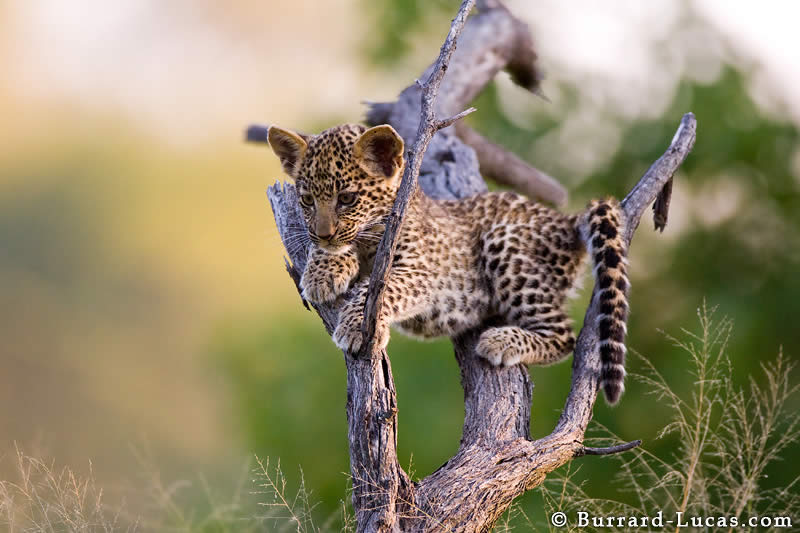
[(145, 309)]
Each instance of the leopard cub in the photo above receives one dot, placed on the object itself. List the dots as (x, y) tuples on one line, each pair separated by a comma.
[(494, 257)]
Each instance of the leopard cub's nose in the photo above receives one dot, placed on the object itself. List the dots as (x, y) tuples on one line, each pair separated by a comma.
[(325, 236), (325, 227)]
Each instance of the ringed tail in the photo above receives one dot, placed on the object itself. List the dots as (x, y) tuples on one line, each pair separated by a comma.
[(602, 226)]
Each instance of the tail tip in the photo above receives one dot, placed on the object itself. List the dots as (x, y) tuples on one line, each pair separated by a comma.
[(613, 391)]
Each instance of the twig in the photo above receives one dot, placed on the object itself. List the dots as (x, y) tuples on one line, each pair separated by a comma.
[(442, 124), (522, 64), (427, 128), (378, 112), (619, 448)]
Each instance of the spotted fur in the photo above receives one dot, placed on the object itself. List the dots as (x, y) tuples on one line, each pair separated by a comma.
[(494, 258), (601, 225)]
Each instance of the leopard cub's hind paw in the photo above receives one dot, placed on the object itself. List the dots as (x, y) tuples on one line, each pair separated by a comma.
[(500, 346)]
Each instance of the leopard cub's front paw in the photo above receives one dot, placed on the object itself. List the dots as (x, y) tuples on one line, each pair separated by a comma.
[(347, 338), (321, 286), (348, 335)]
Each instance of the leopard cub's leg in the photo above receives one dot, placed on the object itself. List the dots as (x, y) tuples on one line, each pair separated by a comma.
[(530, 268), (537, 343), (328, 275), (348, 336), (405, 295)]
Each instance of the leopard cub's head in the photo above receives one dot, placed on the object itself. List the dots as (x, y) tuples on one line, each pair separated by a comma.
[(346, 177)]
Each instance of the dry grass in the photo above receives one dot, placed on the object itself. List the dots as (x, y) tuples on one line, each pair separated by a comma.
[(47, 499), (286, 513), (727, 437)]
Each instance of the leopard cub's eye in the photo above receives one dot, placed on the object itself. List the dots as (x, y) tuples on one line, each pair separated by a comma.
[(307, 199), (347, 198)]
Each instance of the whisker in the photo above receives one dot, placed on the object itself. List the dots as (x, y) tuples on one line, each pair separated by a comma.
[(296, 246), (298, 231), (297, 249), (296, 238)]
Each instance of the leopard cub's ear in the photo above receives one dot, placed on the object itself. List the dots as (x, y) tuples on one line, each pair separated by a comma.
[(379, 151), (289, 147)]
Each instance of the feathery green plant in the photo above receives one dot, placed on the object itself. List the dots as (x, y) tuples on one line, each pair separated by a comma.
[(727, 436)]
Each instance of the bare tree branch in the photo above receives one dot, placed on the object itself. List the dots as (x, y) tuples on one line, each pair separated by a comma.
[(506, 168), (257, 133), (654, 181)]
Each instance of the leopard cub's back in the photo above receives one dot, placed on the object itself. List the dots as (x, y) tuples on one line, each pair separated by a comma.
[(531, 254), (494, 255)]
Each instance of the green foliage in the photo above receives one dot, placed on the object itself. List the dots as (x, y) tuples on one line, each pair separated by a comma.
[(288, 385), (398, 21), (290, 402)]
